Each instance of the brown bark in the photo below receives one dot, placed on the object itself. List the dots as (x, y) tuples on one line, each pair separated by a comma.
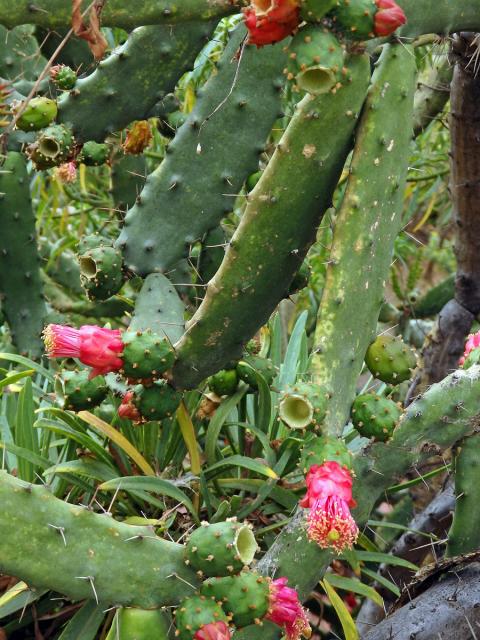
[(444, 346)]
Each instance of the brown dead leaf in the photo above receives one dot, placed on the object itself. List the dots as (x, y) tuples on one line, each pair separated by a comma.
[(91, 32)]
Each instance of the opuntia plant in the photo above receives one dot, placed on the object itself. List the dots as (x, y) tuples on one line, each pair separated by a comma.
[(239, 290)]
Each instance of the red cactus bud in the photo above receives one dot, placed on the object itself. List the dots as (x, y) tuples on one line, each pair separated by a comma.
[(127, 409), (388, 17), (286, 611), (213, 631), (96, 347)]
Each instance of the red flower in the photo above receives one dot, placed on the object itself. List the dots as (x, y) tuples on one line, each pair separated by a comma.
[(388, 17), (213, 631), (94, 346), (328, 479), (286, 611), (127, 409), (473, 342), (269, 21), (330, 524)]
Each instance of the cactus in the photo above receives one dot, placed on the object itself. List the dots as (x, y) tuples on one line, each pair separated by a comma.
[(101, 271), (94, 154), (139, 624), (123, 564), (20, 285), (244, 597), (375, 416), (36, 114), (194, 613), (146, 354), (154, 402), (151, 62), (52, 148), (302, 405), (390, 359), (225, 159), (168, 215), (366, 226), (316, 60), (159, 308), (221, 549), (78, 392), (248, 368), (318, 142), (224, 382), (63, 77)]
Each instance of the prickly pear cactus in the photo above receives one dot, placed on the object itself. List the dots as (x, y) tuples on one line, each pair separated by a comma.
[(217, 213)]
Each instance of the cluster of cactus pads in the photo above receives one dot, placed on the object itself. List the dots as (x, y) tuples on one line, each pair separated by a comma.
[(318, 51)]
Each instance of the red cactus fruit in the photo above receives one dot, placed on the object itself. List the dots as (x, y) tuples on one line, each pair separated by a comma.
[(388, 17)]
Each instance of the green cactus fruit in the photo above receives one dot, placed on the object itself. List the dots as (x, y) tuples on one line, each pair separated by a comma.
[(63, 77), (146, 354), (316, 60), (222, 548), (300, 281), (91, 242), (315, 10), (52, 148), (375, 416), (77, 392), (318, 450), (390, 359), (101, 273), (194, 612), (157, 401), (224, 383), (38, 113), (355, 18), (252, 180), (139, 624), (303, 404), (247, 367), (94, 154), (244, 597)]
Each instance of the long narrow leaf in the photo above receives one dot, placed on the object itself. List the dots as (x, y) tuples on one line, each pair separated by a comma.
[(352, 584), (244, 463), (346, 620), (85, 623)]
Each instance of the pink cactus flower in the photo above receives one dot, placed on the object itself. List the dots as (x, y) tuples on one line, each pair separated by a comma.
[(286, 611), (388, 17), (127, 409), (54, 71), (96, 347), (473, 342), (331, 525), (269, 21), (328, 479), (66, 172), (213, 631)]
